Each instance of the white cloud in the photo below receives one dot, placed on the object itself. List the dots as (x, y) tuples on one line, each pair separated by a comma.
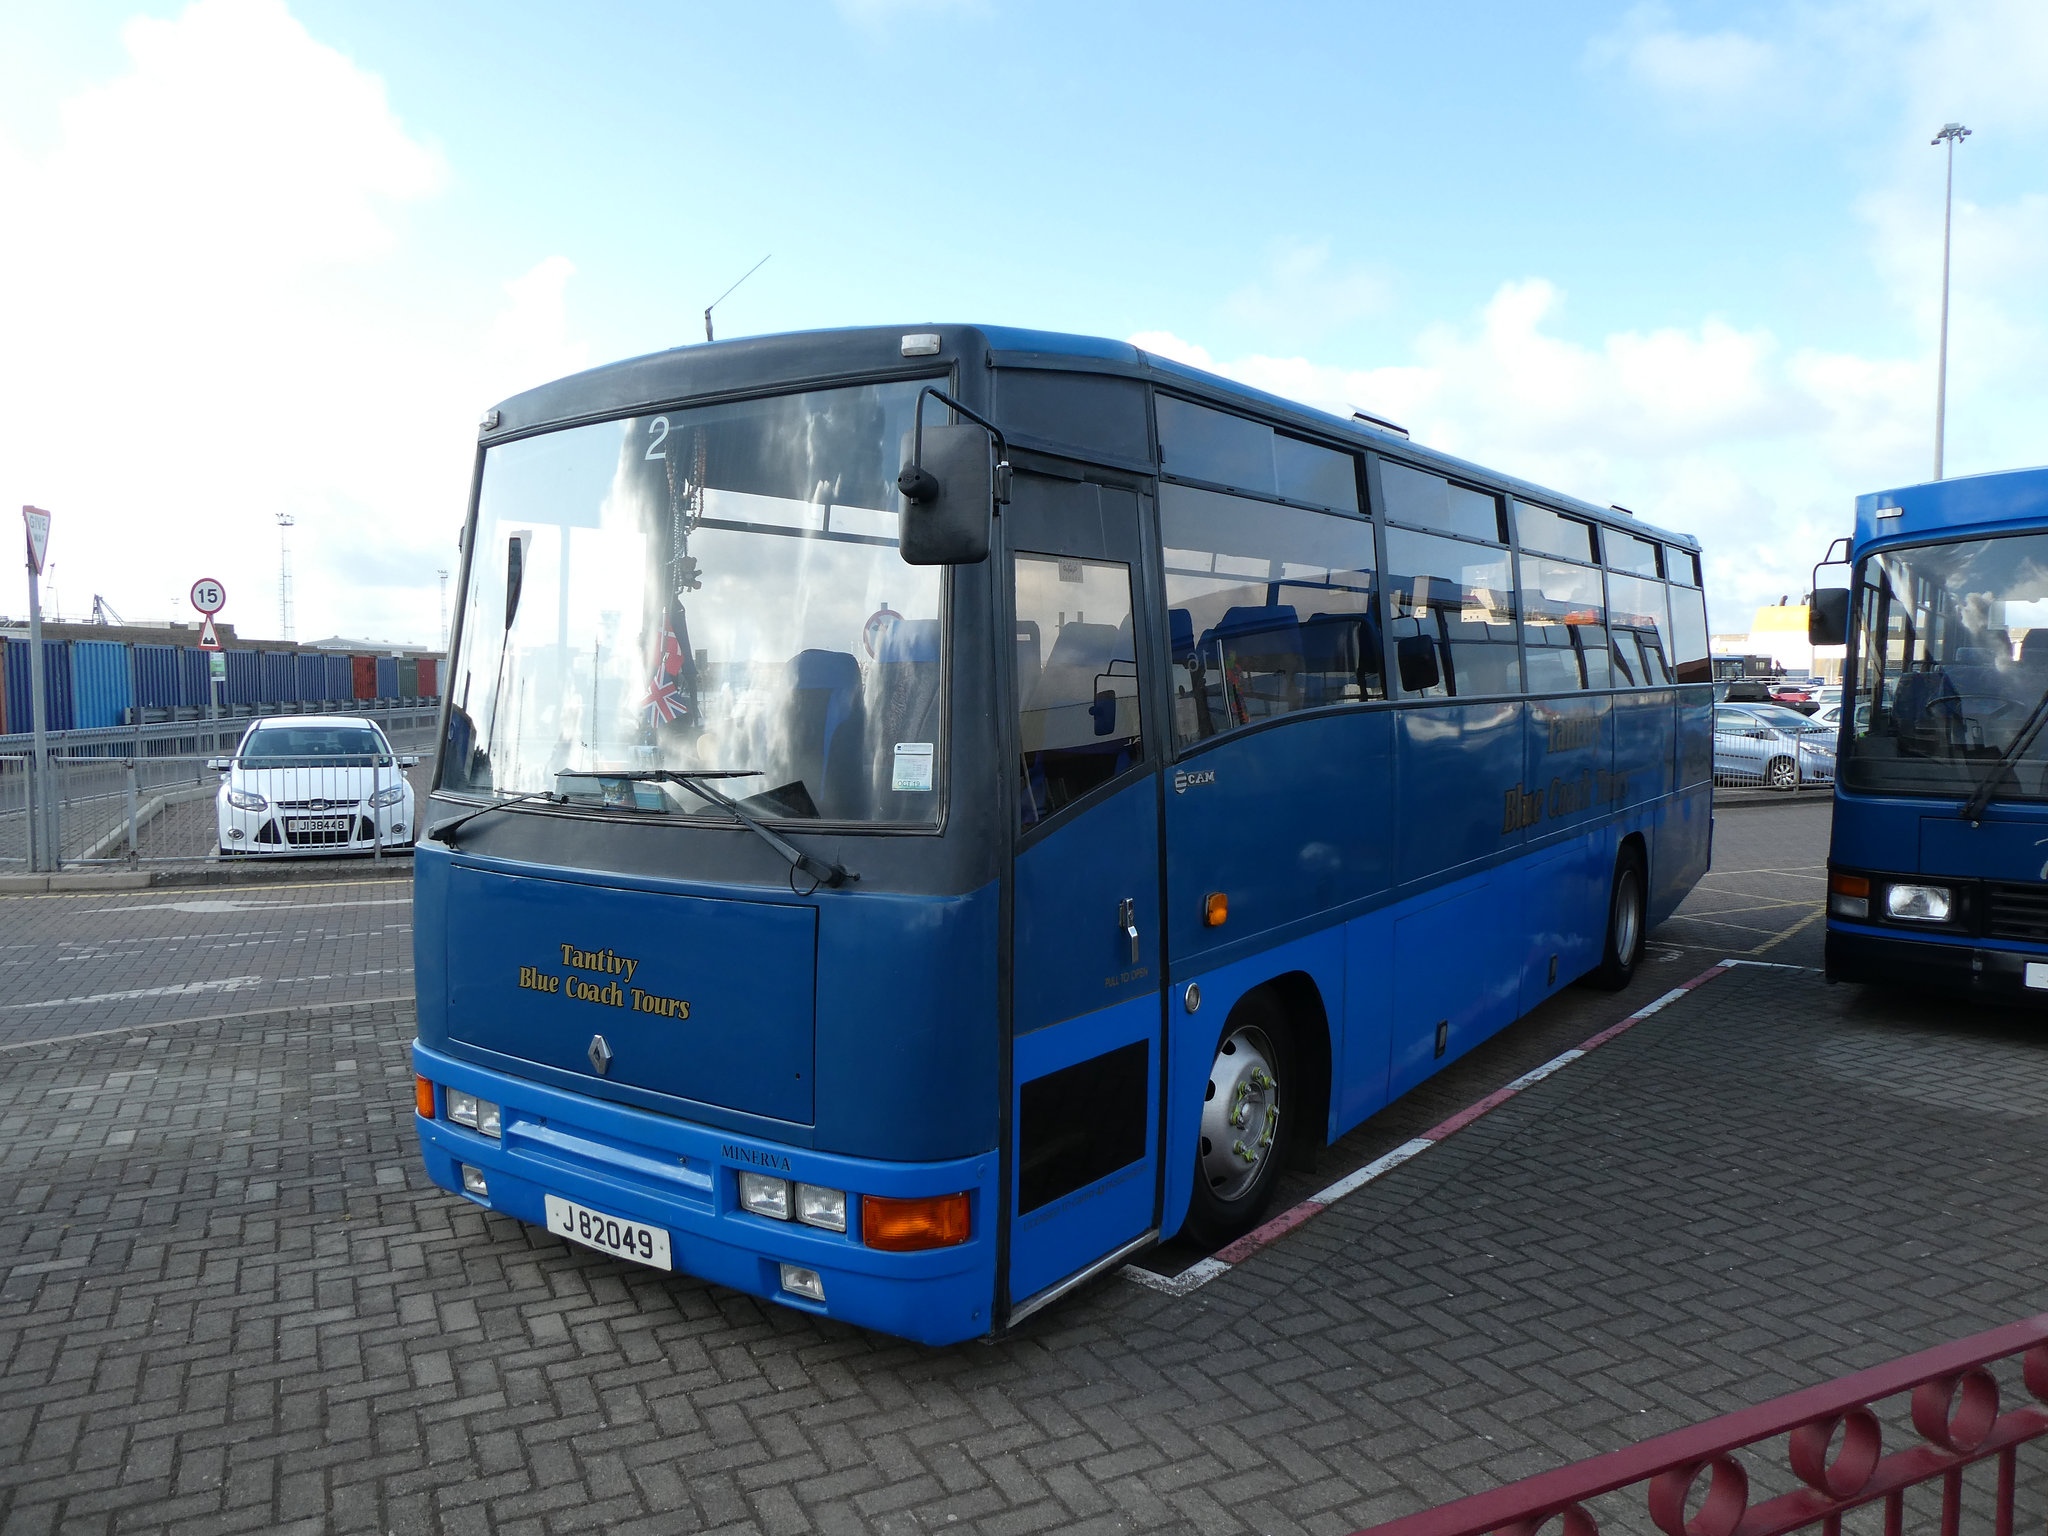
[(1302, 291), (205, 346), (1712, 430), (1693, 71)]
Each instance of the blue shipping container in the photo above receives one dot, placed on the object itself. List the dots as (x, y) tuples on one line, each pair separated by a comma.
[(387, 677), (56, 687), (244, 680), (340, 679), (312, 677), (102, 689), (157, 684), (194, 677), (279, 677)]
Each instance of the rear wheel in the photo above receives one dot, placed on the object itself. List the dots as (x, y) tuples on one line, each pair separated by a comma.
[(1625, 923), (1248, 1096), (1784, 773)]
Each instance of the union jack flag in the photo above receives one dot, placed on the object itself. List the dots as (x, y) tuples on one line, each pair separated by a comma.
[(673, 674), (665, 699)]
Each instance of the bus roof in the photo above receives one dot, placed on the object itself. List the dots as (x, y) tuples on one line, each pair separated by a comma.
[(1973, 503), (830, 356)]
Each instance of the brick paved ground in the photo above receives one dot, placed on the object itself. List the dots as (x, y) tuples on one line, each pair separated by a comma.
[(230, 1302)]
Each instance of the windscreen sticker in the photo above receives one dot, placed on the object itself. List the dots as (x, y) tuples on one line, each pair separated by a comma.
[(913, 766)]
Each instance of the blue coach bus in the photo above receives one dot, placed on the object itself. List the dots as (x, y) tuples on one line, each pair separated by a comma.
[(1938, 865), (923, 815)]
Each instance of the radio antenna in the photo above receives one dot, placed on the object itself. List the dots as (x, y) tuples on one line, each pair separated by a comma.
[(757, 266)]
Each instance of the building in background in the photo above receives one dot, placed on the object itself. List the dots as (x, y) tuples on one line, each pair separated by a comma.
[(1779, 632)]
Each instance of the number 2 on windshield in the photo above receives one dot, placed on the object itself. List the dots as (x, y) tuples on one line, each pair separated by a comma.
[(654, 449)]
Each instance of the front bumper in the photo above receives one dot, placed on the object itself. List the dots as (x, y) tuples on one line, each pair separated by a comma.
[(265, 831), (1997, 975), (683, 1177)]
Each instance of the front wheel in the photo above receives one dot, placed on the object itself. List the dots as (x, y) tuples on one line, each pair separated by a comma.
[(1784, 773), (1625, 923), (1249, 1094)]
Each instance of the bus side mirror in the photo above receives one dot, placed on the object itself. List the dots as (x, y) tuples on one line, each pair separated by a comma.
[(1827, 617), (949, 494), (1103, 712), (1417, 657)]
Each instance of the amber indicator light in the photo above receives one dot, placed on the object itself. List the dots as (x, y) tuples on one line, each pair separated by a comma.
[(904, 1226), (1849, 885), (1215, 909), (423, 1097)]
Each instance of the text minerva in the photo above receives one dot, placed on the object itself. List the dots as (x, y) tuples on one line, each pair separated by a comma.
[(610, 993)]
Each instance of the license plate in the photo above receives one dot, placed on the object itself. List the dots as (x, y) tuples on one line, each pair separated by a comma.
[(608, 1234), (317, 824)]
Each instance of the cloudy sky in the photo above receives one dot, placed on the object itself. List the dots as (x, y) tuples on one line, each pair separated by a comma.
[(262, 258)]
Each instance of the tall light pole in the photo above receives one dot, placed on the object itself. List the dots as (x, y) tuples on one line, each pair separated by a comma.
[(1952, 134), (285, 523)]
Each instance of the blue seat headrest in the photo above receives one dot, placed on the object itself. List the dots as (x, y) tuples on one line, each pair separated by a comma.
[(909, 640), (824, 669)]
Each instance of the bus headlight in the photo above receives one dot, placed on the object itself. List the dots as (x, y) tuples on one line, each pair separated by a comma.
[(1918, 903), (389, 796), (765, 1195), (817, 1206), (478, 1114), (246, 800)]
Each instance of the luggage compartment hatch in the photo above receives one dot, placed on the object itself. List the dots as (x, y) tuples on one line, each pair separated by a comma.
[(696, 998)]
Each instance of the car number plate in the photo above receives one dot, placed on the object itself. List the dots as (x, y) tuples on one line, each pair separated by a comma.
[(608, 1234), (317, 824)]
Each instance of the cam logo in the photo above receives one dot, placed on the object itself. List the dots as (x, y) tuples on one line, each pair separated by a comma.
[(1185, 779)]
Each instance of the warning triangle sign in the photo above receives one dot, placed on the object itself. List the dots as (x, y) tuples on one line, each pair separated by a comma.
[(208, 640)]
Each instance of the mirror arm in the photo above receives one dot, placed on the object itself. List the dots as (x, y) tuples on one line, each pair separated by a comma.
[(918, 483)]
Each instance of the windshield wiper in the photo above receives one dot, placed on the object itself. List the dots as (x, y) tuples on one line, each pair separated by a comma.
[(1980, 797), (822, 871), (444, 833)]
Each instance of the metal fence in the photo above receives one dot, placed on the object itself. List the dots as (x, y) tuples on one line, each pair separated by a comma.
[(1960, 1456), (134, 795)]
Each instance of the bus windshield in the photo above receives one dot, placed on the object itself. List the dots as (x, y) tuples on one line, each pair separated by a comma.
[(1951, 657), (715, 589)]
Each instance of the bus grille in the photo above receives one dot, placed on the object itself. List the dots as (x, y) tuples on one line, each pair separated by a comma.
[(2018, 912)]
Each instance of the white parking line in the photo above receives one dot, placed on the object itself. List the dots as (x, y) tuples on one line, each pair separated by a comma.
[(216, 904), (230, 984)]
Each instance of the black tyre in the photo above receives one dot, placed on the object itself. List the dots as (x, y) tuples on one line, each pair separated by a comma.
[(1250, 1094), (1783, 773), (1627, 911)]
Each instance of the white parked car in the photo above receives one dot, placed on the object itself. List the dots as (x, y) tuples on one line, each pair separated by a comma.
[(314, 784)]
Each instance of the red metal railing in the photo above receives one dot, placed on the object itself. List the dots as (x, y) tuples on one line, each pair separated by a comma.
[(1834, 1445)]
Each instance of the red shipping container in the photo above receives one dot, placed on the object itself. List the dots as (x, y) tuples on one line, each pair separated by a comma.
[(428, 671), (365, 676)]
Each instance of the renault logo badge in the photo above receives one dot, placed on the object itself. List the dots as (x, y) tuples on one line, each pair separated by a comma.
[(600, 1055)]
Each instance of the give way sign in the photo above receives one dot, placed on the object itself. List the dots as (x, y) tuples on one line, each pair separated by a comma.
[(38, 522)]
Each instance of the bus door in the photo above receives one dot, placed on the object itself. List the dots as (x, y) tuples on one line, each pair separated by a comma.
[(1086, 964)]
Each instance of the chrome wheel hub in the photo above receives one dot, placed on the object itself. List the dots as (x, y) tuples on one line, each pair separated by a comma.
[(1241, 1115)]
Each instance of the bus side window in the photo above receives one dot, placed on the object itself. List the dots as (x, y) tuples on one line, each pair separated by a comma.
[(1270, 610), (1564, 620), (1078, 709), (1458, 597), (1636, 608)]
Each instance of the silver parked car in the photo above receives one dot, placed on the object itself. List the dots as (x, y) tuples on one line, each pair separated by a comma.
[(1772, 745), (311, 784)]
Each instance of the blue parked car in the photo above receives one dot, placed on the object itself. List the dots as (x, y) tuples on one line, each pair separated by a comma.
[(1773, 745)]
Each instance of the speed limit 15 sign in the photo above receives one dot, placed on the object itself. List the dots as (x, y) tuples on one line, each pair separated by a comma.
[(208, 595)]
